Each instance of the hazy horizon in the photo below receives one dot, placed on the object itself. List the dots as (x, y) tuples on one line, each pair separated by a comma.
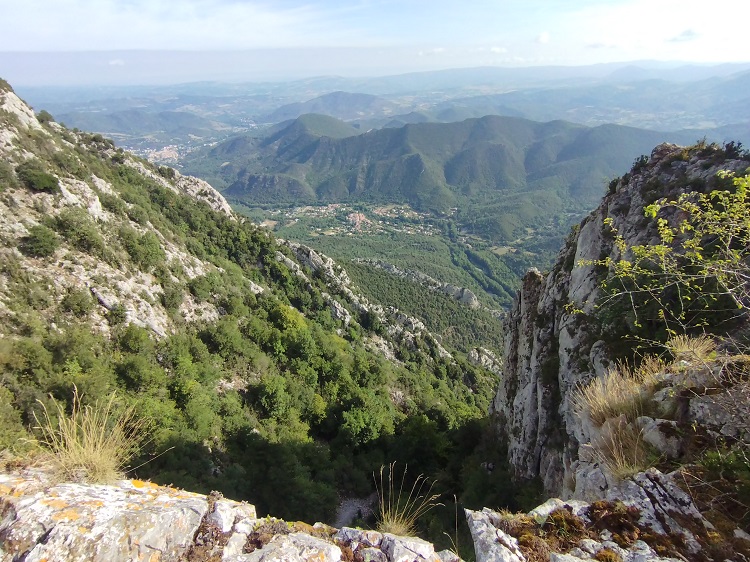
[(129, 42)]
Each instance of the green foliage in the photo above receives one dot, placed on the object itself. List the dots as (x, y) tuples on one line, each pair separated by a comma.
[(117, 314), (166, 172), (145, 250), (76, 226), (12, 432), (32, 175), (40, 242), (77, 302), (697, 275), (45, 117), (7, 176)]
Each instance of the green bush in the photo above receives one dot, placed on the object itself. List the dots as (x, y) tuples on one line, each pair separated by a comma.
[(44, 117), (40, 242), (76, 226), (32, 175), (77, 302), (117, 315), (145, 250), (11, 429)]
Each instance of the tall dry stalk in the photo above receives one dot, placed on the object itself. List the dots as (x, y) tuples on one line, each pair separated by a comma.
[(397, 513)]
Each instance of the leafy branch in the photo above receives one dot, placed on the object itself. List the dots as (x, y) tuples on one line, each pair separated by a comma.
[(698, 274)]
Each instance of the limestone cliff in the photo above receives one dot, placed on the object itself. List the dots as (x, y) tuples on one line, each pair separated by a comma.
[(551, 346)]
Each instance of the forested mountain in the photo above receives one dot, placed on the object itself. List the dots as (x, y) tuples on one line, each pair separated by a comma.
[(260, 368), (505, 174)]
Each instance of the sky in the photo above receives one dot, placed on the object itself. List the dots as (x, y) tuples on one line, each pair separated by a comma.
[(120, 41)]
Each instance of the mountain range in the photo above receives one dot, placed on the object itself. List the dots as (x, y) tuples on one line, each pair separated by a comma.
[(504, 174)]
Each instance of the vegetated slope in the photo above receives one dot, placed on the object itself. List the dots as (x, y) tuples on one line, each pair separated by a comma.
[(264, 374), (504, 173)]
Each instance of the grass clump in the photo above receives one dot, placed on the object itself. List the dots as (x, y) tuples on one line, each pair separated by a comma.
[(621, 390), (398, 510), (93, 443), (692, 348), (622, 450), (614, 403)]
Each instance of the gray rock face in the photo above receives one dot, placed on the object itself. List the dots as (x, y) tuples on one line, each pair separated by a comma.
[(135, 520), (67, 522), (490, 543), (553, 344), (655, 504), (295, 547)]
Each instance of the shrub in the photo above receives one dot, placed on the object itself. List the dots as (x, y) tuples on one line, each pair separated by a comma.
[(32, 175), (145, 250), (11, 429), (94, 442), (44, 116), (41, 242), (117, 315), (77, 227), (172, 297), (398, 514), (7, 176), (77, 302)]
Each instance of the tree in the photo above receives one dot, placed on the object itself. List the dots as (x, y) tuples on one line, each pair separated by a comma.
[(698, 274)]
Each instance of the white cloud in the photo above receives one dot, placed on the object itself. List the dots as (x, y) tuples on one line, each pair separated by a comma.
[(687, 35), (498, 50), (543, 38), (432, 52)]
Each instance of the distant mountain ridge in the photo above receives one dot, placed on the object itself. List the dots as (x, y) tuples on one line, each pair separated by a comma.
[(504, 173), (342, 105)]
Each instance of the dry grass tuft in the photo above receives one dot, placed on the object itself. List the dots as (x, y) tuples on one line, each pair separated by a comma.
[(620, 391), (398, 512), (692, 348), (621, 449), (94, 442)]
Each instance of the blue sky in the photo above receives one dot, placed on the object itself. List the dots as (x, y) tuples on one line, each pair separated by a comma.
[(402, 35)]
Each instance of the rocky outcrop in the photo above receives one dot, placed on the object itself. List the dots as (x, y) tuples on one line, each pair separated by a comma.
[(554, 340), (132, 520), (461, 294), (112, 281), (645, 519), (136, 520), (189, 185), (400, 326)]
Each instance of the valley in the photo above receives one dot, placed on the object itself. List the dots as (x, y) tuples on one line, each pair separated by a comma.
[(433, 270)]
